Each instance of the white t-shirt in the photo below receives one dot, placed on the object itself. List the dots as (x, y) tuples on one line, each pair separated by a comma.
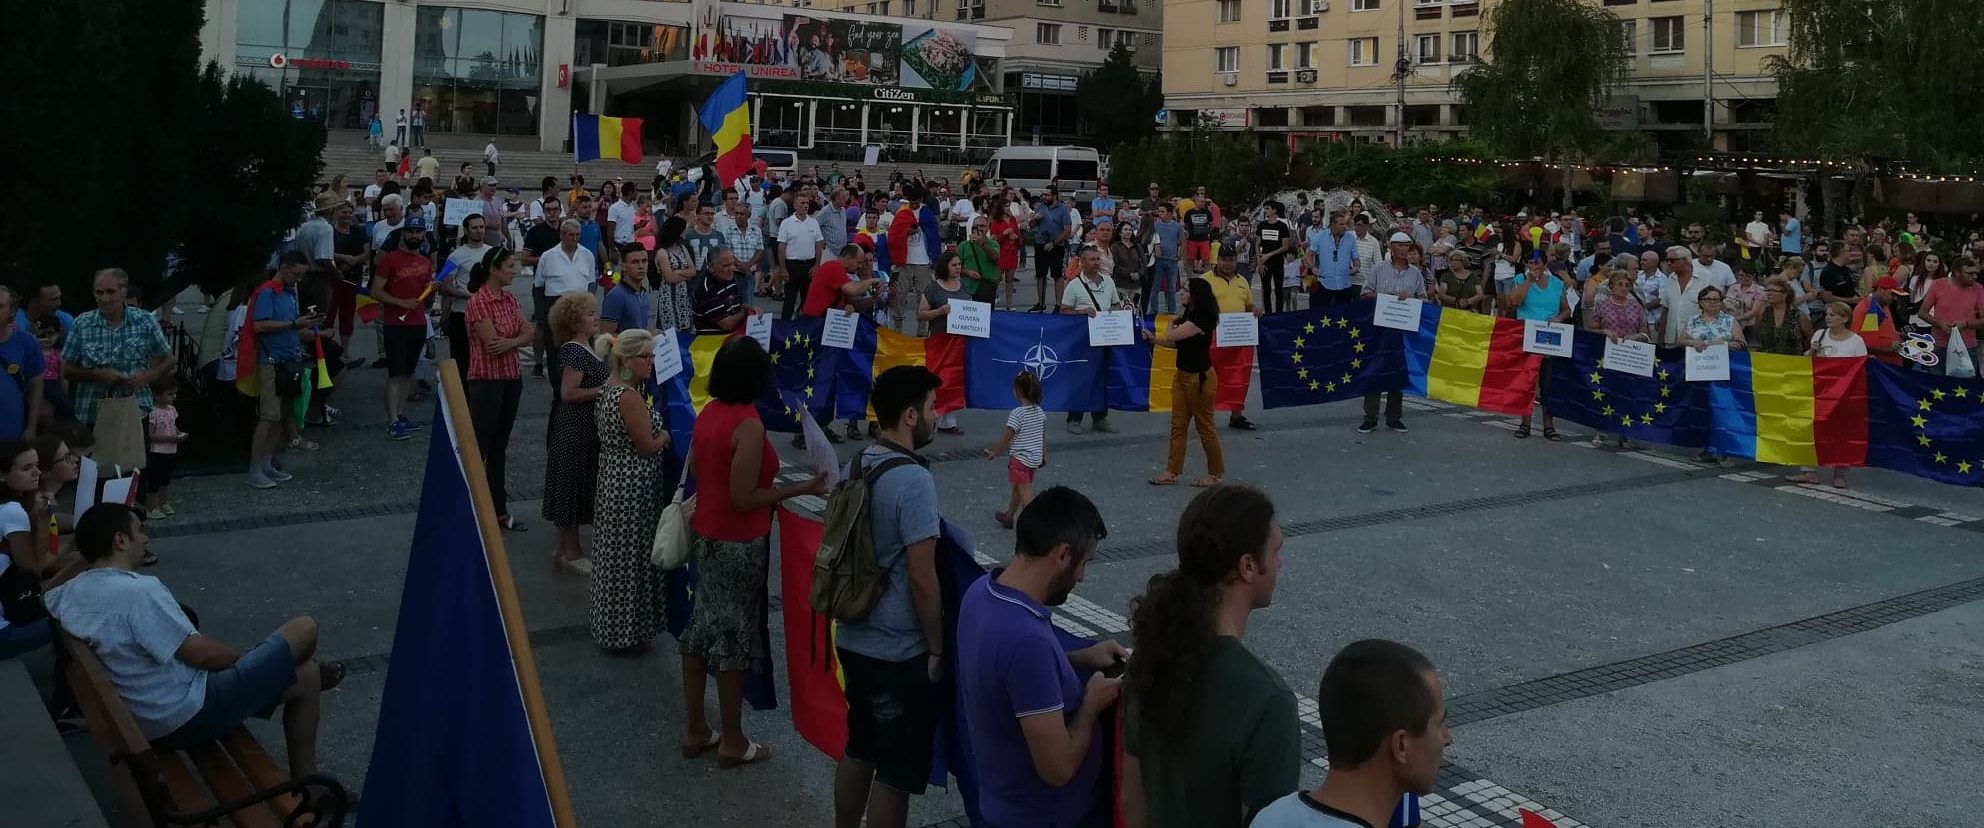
[(1826, 346), (135, 628), (801, 237), (663, 167), (1297, 810), (622, 215), (962, 211), (1081, 293), (372, 192), (465, 259), (918, 254), (1758, 232), (380, 230), (1717, 272), (566, 273), (13, 518)]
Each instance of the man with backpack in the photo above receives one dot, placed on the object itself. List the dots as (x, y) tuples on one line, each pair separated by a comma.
[(889, 605)]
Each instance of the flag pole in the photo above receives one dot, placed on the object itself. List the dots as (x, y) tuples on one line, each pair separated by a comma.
[(506, 597)]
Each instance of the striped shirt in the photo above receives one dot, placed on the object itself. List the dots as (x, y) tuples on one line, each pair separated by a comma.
[(1029, 425)]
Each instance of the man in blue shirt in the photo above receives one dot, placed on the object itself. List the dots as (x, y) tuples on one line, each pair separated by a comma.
[(278, 348), (1032, 719), (629, 305), (1102, 209), (1170, 236), (1332, 254), (20, 357), (1790, 234), (1051, 230)]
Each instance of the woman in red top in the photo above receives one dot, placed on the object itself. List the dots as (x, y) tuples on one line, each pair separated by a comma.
[(734, 467), (1006, 230), (495, 374)]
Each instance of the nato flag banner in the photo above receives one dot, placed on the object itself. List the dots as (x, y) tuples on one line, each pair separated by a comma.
[(1053, 346), (454, 745)]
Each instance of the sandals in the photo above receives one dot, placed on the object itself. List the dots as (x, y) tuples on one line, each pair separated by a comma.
[(305, 445), (1522, 431), (510, 523), (1164, 480), (752, 755), (691, 751), (330, 674), (1550, 433), (1206, 481)]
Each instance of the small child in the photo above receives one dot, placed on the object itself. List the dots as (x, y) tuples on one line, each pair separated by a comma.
[(1026, 435), (162, 445)]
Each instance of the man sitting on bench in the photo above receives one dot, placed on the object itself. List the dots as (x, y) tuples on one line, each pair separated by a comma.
[(184, 688)]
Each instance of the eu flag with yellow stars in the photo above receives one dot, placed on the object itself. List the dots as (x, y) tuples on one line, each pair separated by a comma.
[(801, 367), (1925, 425), (1663, 408), (1326, 354)]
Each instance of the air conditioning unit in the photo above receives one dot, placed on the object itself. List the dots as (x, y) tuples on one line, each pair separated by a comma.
[(1229, 78), (1323, 6), (1305, 76)]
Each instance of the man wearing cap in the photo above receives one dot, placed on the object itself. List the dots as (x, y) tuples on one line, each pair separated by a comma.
[(398, 282), (1398, 278), (494, 210), (316, 238), (1878, 332), (1235, 296)]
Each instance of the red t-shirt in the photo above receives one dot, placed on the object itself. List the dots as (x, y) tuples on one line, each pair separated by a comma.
[(407, 275), (824, 293)]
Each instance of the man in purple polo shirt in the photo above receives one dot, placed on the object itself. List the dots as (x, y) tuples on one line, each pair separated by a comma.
[(1032, 719)]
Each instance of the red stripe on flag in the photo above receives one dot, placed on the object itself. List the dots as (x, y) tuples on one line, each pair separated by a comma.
[(732, 165), (630, 140), (943, 354), (1235, 370), (819, 707), (1839, 411), (1508, 380)]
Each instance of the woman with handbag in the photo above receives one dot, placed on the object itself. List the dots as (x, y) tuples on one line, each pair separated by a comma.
[(495, 383), (625, 588), (730, 542)]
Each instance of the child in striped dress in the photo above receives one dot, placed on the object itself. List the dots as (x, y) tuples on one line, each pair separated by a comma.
[(1026, 437)]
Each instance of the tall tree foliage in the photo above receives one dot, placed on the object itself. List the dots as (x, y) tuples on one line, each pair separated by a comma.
[(1118, 103), (1897, 78), (253, 177), (1230, 165), (108, 127), (1549, 65)]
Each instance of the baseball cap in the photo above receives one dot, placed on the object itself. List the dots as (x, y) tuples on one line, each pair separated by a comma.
[(1888, 283), (491, 181), (414, 223), (1399, 238)]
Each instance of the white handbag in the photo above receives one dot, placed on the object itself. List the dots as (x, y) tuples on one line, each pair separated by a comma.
[(671, 532)]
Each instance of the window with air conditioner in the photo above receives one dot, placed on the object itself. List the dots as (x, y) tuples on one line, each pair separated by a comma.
[(1759, 28), (1229, 11), (1048, 34), (1309, 8), (1305, 55), (1465, 46), (1226, 59), (1277, 57), (1630, 30), (1428, 48), (1363, 51), (1363, 5), (1669, 35)]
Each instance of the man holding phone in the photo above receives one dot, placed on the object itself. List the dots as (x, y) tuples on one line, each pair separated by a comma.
[(280, 327)]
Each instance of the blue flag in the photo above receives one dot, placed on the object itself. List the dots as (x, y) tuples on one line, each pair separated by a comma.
[(1925, 425), (1053, 346), (1663, 408), (1327, 354), (453, 745)]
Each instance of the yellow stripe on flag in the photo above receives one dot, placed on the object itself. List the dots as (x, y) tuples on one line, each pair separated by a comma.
[(609, 142), (1163, 369), (735, 126), (892, 349), (1782, 388), (702, 356), (1460, 357)]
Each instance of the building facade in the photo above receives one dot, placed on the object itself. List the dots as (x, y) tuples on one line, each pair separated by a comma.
[(1328, 69), (826, 81)]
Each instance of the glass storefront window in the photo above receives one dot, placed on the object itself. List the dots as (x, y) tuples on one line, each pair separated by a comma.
[(617, 43), (332, 51), (478, 71)]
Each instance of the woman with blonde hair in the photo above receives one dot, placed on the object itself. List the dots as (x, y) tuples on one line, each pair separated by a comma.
[(571, 455), (625, 589), (1781, 327)]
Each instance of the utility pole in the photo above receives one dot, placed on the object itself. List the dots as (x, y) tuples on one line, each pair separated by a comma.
[(1708, 75), (1399, 72)]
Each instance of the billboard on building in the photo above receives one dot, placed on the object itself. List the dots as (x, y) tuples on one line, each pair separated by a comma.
[(934, 57), (842, 51)]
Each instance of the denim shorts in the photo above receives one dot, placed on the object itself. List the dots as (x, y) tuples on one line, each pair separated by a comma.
[(891, 718), (252, 686)]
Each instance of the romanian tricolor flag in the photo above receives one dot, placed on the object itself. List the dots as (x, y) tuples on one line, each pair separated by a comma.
[(1470, 359), (1791, 410), (597, 136), (729, 121)]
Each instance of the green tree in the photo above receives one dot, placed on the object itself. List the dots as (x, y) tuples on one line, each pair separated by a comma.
[(1549, 65), (1118, 103), (252, 180), (1882, 80)]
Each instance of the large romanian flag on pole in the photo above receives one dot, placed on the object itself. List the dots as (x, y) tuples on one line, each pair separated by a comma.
[(727, 116), (597, 136)]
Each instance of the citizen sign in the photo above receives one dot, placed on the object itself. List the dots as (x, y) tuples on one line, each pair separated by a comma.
[(890, 93)]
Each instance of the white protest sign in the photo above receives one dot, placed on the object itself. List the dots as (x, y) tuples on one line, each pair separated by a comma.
[(1547, 338), (968, 318), (1117, 327), (1630, 356), (839, 330), (758, 326), (1398, 314), (1709, 365), (1237, 330), (667, 357), (459, 209)]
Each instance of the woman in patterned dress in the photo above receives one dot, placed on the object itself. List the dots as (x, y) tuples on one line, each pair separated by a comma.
[(571, 456), (625, 587), (673, 268)]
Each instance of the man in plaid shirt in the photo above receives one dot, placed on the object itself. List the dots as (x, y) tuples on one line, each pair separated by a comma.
[(114, 350), (742, 237)]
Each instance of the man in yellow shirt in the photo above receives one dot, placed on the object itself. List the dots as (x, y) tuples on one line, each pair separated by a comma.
[(1235, 295)]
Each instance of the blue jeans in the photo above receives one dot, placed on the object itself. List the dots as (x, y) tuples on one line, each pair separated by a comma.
[(253, 686), (1163, 282), (16, 639)]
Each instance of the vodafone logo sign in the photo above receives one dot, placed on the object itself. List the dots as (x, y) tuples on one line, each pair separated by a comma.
[(277, 61)]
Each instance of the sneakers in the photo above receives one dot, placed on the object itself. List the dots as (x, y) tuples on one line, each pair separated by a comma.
[(1367, 426), (1005, 520), (167, 509), (398, 430), (260, 481), (411, 426), (1105, 426), (1239, 423), (1077, 428), (853, 431), (1397, 425), (278, 475), (156, 514)]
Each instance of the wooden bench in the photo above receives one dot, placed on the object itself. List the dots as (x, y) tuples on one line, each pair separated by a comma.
[(230, 780)]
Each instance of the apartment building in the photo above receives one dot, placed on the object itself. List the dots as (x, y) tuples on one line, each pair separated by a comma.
[(1053, 43), (1329, 68)]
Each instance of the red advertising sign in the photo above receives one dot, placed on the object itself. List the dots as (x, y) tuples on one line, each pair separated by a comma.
[(319, 63), (719, 68), (564, 75)]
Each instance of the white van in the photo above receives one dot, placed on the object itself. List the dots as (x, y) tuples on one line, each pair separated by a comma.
[(1033, 168)]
